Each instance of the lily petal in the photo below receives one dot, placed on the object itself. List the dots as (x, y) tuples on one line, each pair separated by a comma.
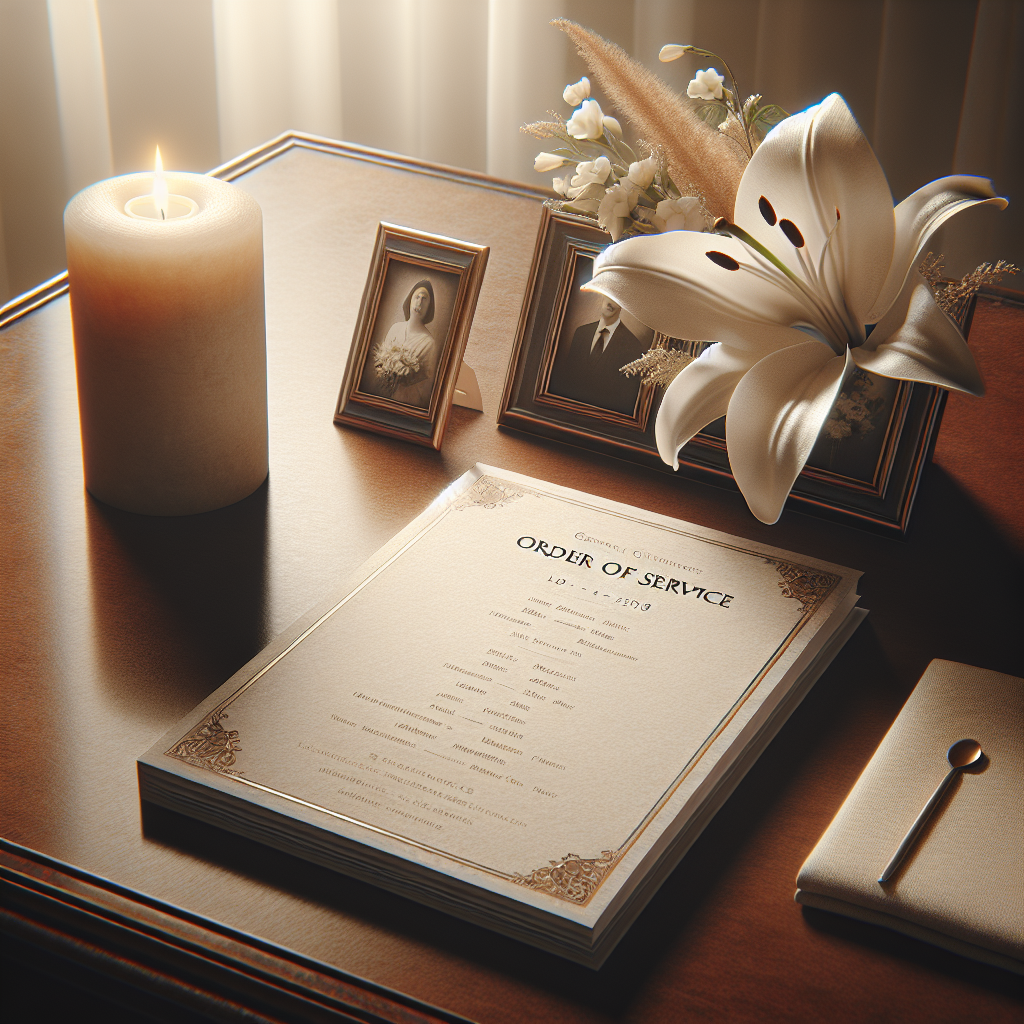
[(916, 340), (668, 283), (699, 394), (775, 415), (810, 166), (918, 217)]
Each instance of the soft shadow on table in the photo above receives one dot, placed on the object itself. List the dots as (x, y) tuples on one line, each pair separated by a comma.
[(179, 602), (914, 951), (959, 584)]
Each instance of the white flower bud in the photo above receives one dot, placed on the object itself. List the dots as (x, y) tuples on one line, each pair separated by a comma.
[(591, 172), (682, 214), (614, 209), (706, 85), (641, 173), (672, 51), (545, 162), (587, 122), (574, 95), (612, 127)]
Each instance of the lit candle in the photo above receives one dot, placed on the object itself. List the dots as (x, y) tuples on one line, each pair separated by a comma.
[(166, 277)]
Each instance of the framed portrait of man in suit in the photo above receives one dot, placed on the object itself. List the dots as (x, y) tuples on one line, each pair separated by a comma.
[(566, 382), (566, 376), (588, 357)]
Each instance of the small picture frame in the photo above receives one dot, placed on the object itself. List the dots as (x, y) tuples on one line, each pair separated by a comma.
[(414, 321), (863, 471)]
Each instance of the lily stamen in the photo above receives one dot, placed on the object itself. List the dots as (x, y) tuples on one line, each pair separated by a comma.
[(767, 211), (769, 275), (767, 272), (724, 261), (831, 318), (792, 232), (855, 331)]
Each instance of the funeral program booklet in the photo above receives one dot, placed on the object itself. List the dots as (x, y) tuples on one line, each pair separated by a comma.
[(523, 709)]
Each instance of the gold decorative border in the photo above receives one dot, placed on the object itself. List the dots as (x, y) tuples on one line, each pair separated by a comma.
[(573, 879), (808, 586), (209, 744), (488, 492)]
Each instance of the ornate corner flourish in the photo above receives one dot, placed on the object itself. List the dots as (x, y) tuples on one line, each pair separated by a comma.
[(209, 745), (572, 878), (808, 586), (488, 492)]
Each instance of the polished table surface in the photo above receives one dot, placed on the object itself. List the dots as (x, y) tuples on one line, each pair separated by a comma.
[(115, 625)]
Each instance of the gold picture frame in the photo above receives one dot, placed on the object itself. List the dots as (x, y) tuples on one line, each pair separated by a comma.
[(414, 321), (864, 470)]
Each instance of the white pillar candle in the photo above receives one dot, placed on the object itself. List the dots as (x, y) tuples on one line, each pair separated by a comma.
[(170, 342)]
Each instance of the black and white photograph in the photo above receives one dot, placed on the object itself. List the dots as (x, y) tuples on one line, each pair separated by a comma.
[(414, 322), (596, 339)]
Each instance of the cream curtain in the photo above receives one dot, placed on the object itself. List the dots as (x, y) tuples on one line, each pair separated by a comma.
[(88, 87)]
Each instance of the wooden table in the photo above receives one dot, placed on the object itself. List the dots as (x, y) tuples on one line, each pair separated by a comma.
[(115, 625)]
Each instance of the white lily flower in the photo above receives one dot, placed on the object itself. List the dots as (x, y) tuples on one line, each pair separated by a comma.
[(574, 95), (641, 172), (706, 85), (545, 162), (590, 172), (561, 186), (817, 255), (683, 214), (587, 122), (614, 210)]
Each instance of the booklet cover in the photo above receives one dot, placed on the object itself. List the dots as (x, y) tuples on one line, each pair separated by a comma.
[(961, 885), (522, 710)]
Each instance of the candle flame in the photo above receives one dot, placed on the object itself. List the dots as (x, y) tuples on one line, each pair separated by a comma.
[(160, 187)]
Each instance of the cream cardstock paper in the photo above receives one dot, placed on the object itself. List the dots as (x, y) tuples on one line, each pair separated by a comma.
[(962, 884), (525, 673)]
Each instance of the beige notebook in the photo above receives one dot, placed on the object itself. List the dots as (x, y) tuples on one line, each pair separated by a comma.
[(962, 884)]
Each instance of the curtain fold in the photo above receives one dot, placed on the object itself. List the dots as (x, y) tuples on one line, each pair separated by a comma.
[(81, 92), (160, 69), (88, 87), (278, 66)]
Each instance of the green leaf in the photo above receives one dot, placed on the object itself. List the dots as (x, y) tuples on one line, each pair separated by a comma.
[(712, 112), (771, 113)]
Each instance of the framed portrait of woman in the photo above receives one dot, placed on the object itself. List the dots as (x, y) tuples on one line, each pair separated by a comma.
[(414, 321)]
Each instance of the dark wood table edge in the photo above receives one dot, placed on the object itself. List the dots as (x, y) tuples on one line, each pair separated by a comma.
[(110, 932)]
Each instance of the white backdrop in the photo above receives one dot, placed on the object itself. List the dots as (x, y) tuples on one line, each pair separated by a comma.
[(88, 87)]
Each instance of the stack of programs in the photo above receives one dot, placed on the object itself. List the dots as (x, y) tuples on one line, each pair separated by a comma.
[(523, 710)]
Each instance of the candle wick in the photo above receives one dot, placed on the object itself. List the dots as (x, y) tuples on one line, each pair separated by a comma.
[(163, 216)]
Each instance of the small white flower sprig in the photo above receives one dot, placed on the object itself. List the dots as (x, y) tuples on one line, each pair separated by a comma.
[(627, 193), (746, 122)]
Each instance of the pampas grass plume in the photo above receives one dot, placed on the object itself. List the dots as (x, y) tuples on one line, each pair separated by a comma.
[(694, 152)]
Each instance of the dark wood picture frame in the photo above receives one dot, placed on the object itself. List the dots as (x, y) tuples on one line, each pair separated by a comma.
[(404, 262), (864, 469)]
